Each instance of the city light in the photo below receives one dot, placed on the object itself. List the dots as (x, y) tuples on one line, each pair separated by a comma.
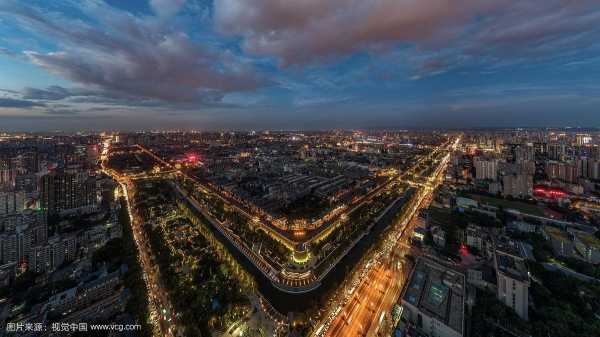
[(268, 168)]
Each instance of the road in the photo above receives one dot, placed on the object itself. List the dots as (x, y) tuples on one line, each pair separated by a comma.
[(161, 315), (359, 317), (361, 314)]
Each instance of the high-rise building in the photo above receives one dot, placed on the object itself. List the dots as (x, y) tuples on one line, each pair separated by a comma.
[(522, 167), (557, 151), (583, 139), (524, 152), (7, 175), (588, 168), (62, 249), (11, 202), (517, 185), (67, 191), (16, 245), (594, 170), (51, 255), (26, 182), (486, 169), (39, 259), (513, 278), (28, 217), (564, 171)]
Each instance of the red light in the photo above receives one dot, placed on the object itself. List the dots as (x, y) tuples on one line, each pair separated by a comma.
[(548, 192), (464, 250)]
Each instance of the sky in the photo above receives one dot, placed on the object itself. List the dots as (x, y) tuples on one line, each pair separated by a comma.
[(301, 64)]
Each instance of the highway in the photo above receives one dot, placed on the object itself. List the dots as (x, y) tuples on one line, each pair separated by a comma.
[(361, 310), (359, 316)]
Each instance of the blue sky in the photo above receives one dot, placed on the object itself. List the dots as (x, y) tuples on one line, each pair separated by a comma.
[(305, 64)]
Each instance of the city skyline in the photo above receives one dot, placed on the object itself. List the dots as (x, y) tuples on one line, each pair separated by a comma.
[(245, 64), (299, 168)]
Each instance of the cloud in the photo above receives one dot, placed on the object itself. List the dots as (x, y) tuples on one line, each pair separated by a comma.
[(18, 103), (9, 91), (133, 56), (52, 93), (311, 31), (302, 31), (166, 8), (85, 95), (61, 112)]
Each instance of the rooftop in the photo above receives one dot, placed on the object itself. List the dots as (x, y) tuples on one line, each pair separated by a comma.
[(510, 261), (437, 291)]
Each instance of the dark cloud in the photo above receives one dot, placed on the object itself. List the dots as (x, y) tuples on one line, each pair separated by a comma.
[(132, 56), (61, 112), (115, 98), (537, 29), (51, 93), (303, 31), (18, 103), (307, 31), (83, 95)]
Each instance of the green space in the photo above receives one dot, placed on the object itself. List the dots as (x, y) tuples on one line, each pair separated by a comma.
[(491, 318), (355, 225), (564, 306), (252, 235), (202, 288)]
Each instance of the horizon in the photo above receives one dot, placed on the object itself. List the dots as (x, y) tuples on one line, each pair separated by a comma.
[(324, 130)]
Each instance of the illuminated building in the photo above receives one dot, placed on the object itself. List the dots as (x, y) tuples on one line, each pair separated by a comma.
[(67, 191), (486, 169)]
